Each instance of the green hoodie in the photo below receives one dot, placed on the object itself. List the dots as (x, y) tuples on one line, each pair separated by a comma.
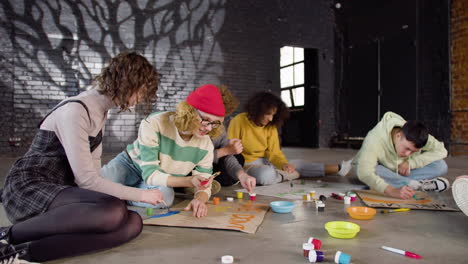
[(378, 148)]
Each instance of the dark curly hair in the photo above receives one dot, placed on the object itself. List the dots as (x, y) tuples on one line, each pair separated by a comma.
[(128, 73), (262, 102)]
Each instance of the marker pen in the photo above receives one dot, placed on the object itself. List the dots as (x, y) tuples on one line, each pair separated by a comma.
[(402, 252)]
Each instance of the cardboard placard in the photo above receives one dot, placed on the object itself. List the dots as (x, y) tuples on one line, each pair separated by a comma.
[(240, 215), (423, 201)]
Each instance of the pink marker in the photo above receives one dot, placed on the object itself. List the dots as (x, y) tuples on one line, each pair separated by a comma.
[(402, 252)]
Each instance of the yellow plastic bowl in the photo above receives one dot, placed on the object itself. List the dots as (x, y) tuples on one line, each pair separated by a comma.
[(361, 212), (342, 229)]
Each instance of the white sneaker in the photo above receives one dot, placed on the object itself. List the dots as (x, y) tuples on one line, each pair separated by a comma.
[(439, 184), (460, 193), (346, 166)]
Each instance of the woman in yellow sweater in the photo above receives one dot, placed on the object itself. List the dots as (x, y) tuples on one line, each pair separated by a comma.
[(258, 130)]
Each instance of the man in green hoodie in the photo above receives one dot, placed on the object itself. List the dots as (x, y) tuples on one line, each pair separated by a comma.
[(398, 157)]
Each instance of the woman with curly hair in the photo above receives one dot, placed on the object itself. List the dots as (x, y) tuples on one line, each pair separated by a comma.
[(55, 195), (172, 145), (264, 160)]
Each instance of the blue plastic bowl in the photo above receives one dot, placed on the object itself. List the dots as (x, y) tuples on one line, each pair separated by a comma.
[(282, 207)]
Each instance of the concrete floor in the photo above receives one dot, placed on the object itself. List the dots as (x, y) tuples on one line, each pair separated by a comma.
[(439, 237)]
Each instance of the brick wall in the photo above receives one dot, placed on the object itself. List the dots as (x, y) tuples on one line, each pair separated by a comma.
[(56, 47), (459, 65)]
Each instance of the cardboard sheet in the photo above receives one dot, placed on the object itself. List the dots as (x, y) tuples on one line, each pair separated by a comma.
[(423, 201), (240, 215)]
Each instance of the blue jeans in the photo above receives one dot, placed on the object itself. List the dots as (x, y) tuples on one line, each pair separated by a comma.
[(266, 173), (122, 170), (430, 171)]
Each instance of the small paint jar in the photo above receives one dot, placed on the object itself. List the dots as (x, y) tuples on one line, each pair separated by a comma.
[(216, 200), (305, 197), (312, 194), (353, 197), (306, 248), (321, 207), (253, 197), (347, 200), (342, 258), (227, 259), (230, 199), (316, 242), (240, 195), (149, 211), (315, 256)]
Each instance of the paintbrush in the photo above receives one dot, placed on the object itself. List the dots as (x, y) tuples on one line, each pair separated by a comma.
[(395, 210), (214, 176)]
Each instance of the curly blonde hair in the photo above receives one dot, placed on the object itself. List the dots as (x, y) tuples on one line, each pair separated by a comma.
[(230, 101), (128, 73), (186, 119)]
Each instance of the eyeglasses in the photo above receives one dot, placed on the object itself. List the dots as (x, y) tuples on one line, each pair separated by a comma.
[(206, 123)]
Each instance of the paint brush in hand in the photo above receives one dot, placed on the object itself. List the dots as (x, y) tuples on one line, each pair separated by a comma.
[(214, 176)]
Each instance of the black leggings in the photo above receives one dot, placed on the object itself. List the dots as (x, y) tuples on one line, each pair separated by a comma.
[(77, 221)]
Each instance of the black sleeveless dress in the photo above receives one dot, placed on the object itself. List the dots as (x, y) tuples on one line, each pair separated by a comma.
[(35, 179)]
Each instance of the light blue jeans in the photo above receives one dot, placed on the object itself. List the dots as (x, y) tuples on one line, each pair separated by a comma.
[(266, 173), (122, 170), (430, 171)]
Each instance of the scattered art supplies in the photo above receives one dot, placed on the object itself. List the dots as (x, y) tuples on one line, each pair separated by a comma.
[(297, 192)]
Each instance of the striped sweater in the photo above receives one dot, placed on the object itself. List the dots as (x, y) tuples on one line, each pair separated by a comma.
[(160, 152)]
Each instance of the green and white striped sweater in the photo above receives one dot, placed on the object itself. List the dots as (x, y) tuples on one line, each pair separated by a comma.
[(160, 152)]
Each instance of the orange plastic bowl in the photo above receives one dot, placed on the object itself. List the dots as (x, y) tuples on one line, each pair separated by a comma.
[(361, 212)]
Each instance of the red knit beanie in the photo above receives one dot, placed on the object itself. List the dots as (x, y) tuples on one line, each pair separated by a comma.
[(207, 98)]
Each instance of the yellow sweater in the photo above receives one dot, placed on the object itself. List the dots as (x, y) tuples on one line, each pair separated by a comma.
[(258, 141)]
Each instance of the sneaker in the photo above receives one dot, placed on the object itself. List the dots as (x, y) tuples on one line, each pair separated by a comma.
[(215, 188), (288, 176), (439, 184), (346, 166), (460, 193)]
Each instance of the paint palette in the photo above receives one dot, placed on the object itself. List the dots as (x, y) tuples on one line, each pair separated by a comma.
[(282, 207), (361, 212), (342, 229)]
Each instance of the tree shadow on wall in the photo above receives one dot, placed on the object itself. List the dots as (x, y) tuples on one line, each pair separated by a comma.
[(60, 45)]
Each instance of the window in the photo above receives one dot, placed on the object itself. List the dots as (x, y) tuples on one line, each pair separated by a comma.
[(292, 76)]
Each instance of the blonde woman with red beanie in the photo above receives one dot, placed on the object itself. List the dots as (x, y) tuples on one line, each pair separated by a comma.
[(172, 145)]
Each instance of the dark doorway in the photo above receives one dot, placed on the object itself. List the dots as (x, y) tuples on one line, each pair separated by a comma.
[(302, 98)]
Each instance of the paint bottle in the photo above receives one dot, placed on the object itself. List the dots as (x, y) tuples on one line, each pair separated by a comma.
[(253, 196), (240, 195), (316, 242), (347, 200), (305, 197), (315, 256), (337, 196), (353, 197), (342, 258), (227, 259), (149, 211), (306, 248), (320, 206), (230, 199), (312, 194), (216, 200)]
